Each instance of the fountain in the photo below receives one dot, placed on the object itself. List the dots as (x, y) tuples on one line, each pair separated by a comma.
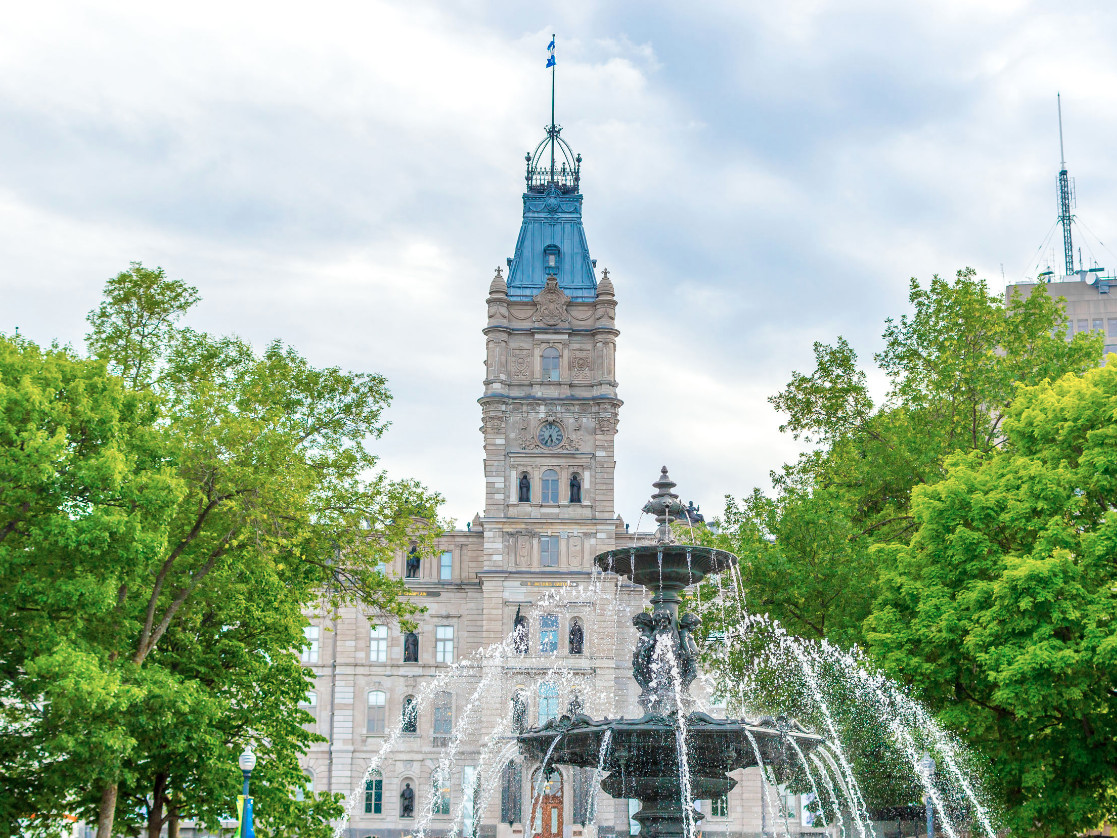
[(673, 754), (863, 740)]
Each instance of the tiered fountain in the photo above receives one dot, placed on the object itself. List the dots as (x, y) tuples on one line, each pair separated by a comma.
[(673, 754)]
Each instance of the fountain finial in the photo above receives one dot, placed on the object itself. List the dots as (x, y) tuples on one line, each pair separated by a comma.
[(665, 506)]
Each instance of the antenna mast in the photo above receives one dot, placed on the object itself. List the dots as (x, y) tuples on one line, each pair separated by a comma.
[(553, 113), (1065, 218)]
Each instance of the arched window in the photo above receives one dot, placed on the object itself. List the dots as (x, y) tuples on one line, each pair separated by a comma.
[(410, 716), (308, 787), (374, 793), (375, 716), (575, 488), (576, 638), (549, 491), (548, 702), (550, 364), (443, 713), (525, 488)]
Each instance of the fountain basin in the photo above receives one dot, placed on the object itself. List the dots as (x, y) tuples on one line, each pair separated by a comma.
[(665, 567)]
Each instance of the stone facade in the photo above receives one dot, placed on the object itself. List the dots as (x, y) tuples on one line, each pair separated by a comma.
[(1090, 306)]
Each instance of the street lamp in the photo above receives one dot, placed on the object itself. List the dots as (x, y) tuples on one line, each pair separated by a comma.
[(927, 769), (247, 762)]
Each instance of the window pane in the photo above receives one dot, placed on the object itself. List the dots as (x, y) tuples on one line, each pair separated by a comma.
[(1113, 327), (550, 364), (550, 487), (1083, 325), (374, 795), (548, 550), (378, 644), (548, 702), (548, 634), (376, 701), (310, 646), (444, 644), (311, 699), (443, 714), (446, 565), (1096, 325)]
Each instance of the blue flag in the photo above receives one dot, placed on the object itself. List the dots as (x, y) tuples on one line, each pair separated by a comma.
[(551, 46), (550, 62)]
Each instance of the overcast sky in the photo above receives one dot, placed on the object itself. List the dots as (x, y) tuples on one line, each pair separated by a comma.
[(346, 176)]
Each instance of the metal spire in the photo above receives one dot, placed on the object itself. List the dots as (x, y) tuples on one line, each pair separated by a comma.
[(1065, 218), (554, 65)]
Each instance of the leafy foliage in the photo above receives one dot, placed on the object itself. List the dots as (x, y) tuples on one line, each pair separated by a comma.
[(170, 509), (1001, 609)]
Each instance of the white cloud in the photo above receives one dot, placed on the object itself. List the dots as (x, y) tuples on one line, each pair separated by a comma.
[(346, 175)]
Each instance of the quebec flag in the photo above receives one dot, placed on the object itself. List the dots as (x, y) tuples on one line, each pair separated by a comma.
[(551, 50)]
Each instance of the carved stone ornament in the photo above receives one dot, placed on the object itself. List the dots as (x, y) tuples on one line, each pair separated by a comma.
[(492, 423), (551, 304), (581, 365), (521, 364), (606, 424)]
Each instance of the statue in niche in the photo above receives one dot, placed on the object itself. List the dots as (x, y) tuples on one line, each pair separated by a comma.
[(575, 488), (412, 563), (519, 712), (407, 801), (577, 637), (519, 633), (411, 647), (525, 488)]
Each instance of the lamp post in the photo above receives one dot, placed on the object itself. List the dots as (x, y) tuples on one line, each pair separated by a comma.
[(247, 762), (927, 768)]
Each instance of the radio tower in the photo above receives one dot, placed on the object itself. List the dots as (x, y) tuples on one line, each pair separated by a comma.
[(1065, 218)]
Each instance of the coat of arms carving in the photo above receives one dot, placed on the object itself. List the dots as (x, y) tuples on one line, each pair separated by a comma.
[(581, 366), (551, 304), (521, 364)]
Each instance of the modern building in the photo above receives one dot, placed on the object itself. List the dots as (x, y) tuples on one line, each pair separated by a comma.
[(1089, 305), (549, 415)]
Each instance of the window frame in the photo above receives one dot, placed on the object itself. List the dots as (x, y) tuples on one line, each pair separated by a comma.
[(548, 634), (381, 712), (550, 556), (443, 713), (374, 796), (443, 644), (550, 364), (549, 486), (309, 652), (378, 644), (446, 566), (548, 702)]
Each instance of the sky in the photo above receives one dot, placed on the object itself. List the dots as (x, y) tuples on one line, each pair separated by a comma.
[(346, 176)]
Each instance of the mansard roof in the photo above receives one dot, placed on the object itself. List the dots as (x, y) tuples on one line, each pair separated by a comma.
[(552, 241)]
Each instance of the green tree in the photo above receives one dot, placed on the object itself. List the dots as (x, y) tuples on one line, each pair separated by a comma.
[(952, 368), (248, 493), (1001, 610)]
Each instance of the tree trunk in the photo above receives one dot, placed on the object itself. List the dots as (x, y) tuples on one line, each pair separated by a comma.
[(172, 823), (107, 811), (155, 813)]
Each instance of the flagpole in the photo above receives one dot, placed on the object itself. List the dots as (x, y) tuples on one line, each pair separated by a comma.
[(553, 115)]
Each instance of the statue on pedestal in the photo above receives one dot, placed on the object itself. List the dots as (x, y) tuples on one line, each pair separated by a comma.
[(407, 801)]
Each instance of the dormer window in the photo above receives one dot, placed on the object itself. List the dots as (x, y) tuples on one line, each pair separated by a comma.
[(551, 256)]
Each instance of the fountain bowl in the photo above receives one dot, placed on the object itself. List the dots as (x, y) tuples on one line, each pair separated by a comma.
[(665, 566)]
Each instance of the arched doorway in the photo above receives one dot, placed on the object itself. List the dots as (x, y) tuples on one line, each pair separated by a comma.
[(546, 820)]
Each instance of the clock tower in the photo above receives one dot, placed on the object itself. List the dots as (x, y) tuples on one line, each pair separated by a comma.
[(549, 409)]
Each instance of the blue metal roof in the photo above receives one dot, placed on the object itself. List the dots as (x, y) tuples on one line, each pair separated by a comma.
[(552, 241)]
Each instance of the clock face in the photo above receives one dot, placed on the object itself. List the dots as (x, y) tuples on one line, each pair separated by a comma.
[(550, 435)]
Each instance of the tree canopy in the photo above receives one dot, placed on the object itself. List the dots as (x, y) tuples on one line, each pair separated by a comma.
[(170, 507)]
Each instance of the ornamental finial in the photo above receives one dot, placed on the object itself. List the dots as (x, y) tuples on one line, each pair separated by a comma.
[(499, 275), (604, 273)]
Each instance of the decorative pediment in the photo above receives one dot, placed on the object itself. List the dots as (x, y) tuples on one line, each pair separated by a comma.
[(550, 304)]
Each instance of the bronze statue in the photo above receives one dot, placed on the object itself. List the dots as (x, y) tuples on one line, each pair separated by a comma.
[(520, 641), (411, 647), (407, 802), (525, 488), (413, 563), (575, 489), (577, 637)]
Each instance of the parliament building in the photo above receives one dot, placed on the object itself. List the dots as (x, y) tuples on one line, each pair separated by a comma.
[(549, 417)]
